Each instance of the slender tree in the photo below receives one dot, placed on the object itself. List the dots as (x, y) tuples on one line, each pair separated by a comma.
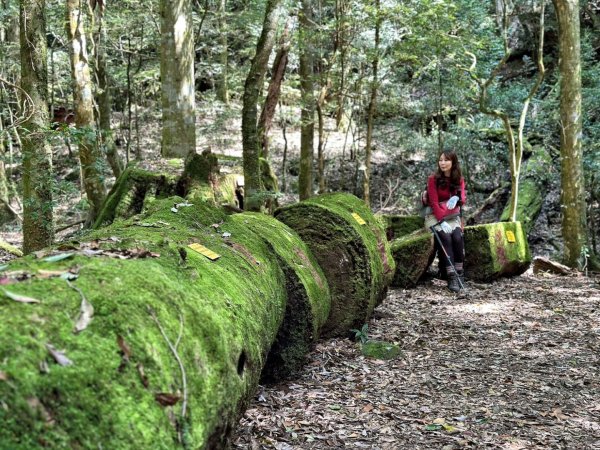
[(89, 153), (307, 114), (372, 107), (103, 93), (38, 227), (572, 196), (177, 78), (250, 139), (223, 85)]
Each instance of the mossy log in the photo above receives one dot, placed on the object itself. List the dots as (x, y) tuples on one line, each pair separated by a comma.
[(413, 254), (308, 300), (351, 249), (494, 250), (398, 226), (533, 185), (174, 348), (135, 189), (131, 194)]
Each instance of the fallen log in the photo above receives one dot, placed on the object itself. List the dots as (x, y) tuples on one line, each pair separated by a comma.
[(350, 245), (398, 226), (541, 264), (495, 250), (413, 254), (308, 299), (138, 337)]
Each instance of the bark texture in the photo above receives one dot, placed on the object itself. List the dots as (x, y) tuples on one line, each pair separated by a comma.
[(177, 79), (38, 227), (250, 138), (572, 196), (89, 153)]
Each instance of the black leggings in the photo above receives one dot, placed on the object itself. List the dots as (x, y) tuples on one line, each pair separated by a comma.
[(454, 245)]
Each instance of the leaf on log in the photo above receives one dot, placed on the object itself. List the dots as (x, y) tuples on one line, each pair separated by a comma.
[(3, 376), (59, 356), (86, 313), (143, 377), (167, 399), (58, 257), (20, 298)]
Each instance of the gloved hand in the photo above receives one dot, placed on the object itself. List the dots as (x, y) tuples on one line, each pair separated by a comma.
[(446, 228), (451, 203)]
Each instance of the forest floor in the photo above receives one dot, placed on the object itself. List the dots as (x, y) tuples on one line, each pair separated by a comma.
[(514, 364)]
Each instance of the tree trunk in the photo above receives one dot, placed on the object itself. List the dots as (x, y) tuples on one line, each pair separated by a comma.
[(103, 95), (307, 114), (254, 80), (89, 154), (223, 85), (372, 109), (573, 195), (177, 79), (277, 74), (7, 214), (38, 227)]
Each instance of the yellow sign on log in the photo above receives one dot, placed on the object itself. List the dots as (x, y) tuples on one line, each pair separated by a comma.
[(204, 251), (510, 236), (359, 219)]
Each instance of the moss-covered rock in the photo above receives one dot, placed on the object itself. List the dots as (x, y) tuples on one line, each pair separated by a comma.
[(308, 300), (175, 346), (398, 226), (380, 350), (494, 250), (533, 185), (413, 254), (352, 251)]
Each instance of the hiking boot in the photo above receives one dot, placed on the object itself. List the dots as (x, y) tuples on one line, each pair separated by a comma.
[(453, 284)]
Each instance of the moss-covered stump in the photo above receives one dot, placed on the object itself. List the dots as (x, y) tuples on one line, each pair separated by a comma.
[(533, 186), (380, 350), (413, 254), (398, 226), (351, 249), (131, 194), (494, 250), (308, 300), (174, 348)]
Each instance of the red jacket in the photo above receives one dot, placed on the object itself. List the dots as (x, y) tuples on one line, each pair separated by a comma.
[(439, 195)]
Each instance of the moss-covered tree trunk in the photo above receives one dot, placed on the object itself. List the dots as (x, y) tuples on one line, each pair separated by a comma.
[(307, 113), (572, 198), (349, 244), (250, 141), (89, 153), (177, 79), (135, 339), (38, 227), (103, 95)]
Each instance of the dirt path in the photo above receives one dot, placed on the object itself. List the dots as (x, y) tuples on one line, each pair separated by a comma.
[(512, 365)]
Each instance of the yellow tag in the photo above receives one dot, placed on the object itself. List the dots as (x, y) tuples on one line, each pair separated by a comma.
[(359, 219), (204, 251), (510, 236)]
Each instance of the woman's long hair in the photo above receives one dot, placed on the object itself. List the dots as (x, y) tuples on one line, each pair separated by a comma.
[(455, 173)]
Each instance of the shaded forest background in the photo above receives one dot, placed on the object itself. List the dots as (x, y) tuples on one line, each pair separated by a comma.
[(385, 84)]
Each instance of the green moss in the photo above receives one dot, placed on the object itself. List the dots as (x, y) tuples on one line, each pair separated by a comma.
[(355, 258), (380, 350), (412, 254), (398, 226), (224, 314), (308, 298), (127, 196), (490, 254), (532, 189)]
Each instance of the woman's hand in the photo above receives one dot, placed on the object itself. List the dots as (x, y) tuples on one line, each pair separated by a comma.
[(446, 228), (451, 203)]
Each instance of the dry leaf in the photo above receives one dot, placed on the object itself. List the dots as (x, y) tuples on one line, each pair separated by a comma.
[(59, 356), (20, 298), (167, 399), (3, 376), (124, 347), (86, 312), (143, 377)]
